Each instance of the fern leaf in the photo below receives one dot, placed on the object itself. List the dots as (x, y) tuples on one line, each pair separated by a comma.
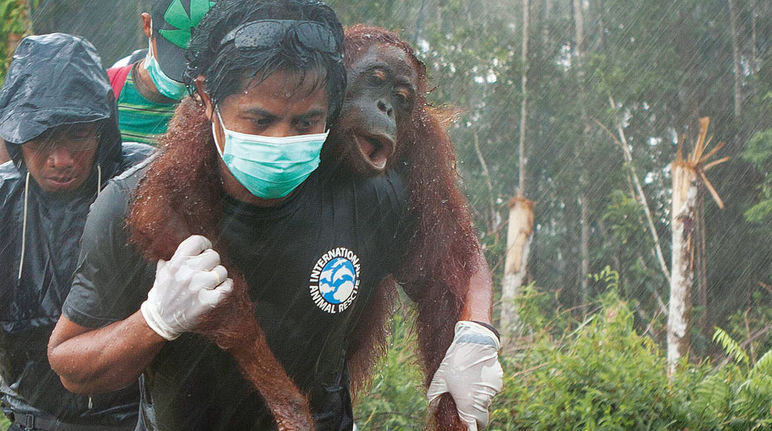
[(731, 347)]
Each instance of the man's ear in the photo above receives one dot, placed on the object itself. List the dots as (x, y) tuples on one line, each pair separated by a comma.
[(147, 24), (199, 82)]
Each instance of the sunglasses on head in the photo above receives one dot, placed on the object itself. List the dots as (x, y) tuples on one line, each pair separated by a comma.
[(267, 34)]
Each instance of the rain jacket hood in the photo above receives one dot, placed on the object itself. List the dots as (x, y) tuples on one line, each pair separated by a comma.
[(53, 80)]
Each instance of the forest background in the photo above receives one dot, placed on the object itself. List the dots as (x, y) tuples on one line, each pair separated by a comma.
[(578, 108)]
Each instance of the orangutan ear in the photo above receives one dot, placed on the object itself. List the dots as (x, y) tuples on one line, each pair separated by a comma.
[(204, 97)]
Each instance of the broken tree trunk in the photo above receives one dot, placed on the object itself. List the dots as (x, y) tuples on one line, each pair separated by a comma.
[(520, 227), (519, 236), (688, 176), (682, 262)]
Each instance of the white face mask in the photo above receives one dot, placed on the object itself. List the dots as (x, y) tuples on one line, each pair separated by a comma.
[(270, 167)]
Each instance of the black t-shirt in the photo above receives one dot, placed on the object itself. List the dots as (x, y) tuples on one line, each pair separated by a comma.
[(311, 263)]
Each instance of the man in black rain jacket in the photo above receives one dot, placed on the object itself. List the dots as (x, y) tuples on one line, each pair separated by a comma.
[(59, 124)]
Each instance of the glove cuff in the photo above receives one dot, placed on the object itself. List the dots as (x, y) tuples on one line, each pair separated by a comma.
[(489, 326), (156, 323), (476, 332)]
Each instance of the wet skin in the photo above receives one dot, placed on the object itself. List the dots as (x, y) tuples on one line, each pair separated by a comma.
[(284, 104), (382, 85), (60, 159)]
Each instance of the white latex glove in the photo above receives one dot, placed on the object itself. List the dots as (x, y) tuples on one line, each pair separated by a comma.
[(470, 372), (191, 283)]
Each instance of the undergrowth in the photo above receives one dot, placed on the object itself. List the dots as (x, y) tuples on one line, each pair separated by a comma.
[(596, 373)]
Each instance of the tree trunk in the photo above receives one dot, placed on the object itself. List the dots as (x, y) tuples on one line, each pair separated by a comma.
[(754, 48), (584, 244), (519, 236), (701, 267), (520, 228), (621, 141), (524, 104), (545, 37), (736, 56), (682, 262), (493, 218)]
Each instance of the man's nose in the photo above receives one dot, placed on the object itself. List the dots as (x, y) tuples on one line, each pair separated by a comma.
[(281, 129), (60, 157)]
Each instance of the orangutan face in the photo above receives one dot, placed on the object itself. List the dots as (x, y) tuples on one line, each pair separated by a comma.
[(379, 100)]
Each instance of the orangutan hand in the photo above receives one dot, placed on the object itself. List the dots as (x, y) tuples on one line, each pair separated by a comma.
[(190, 284), (470, 372)]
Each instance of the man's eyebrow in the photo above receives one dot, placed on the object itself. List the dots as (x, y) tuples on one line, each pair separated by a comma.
[(259, 111), (311, 113)]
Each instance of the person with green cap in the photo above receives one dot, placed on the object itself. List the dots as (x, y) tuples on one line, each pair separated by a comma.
[(149, 88)]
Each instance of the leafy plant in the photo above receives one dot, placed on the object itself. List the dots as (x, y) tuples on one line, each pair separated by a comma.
[(13, 20), (731, 347)]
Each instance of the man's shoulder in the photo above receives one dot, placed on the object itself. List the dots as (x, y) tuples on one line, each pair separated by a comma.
[(8, 170), (127, 180), (8, 174), (133, 154)]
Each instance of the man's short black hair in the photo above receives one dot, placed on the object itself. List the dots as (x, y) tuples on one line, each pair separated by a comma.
[(225, 65)]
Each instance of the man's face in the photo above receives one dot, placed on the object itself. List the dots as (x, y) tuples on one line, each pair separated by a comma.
[(60, 159), (282, 105)]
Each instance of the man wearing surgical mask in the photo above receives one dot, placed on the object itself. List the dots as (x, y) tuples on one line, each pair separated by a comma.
[(149, 89), (238, 197)]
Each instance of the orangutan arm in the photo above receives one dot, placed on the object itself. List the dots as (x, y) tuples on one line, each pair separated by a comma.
[(478, 304), (91, 361)]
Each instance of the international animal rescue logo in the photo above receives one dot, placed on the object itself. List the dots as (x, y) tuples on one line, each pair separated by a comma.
[(334, 281)]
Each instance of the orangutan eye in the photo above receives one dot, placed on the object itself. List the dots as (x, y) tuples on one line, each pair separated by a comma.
[(403, 96), (377, 76)]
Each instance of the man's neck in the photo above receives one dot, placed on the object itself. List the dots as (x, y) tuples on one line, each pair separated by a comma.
[(145, 86)]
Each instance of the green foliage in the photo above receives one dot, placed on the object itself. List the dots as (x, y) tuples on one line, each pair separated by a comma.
[(608, 276), (4, 423), (597, 374), (601, 376), (730, 346), (395, 400), (759, 153), (13, 20)]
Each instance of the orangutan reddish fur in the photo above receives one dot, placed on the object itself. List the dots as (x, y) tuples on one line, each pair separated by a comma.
[(443, 252), (182, 195)]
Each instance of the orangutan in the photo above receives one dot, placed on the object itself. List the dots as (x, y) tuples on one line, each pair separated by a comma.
[(385, 123)]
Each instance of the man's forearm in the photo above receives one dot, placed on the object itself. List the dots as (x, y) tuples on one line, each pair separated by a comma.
[(105, 359)]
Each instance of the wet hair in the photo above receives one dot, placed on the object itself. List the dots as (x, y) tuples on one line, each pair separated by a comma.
[(226, 66)]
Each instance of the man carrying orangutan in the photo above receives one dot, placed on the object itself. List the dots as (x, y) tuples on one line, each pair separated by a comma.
[(310, 244)]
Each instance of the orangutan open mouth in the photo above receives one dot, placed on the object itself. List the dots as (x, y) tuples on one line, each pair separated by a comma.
[(376, 149)]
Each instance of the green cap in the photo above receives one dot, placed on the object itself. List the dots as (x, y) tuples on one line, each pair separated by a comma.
[(173, 24)]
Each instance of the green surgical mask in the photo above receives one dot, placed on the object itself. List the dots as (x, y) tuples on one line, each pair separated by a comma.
[(270, 167), (165, 85)]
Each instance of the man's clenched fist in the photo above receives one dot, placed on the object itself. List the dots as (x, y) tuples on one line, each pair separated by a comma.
[(191, 283)]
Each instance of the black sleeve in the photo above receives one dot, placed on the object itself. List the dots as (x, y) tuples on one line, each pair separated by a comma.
[(111, 279)]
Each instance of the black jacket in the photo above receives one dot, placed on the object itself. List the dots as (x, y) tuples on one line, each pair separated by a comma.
[(53, 80)]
